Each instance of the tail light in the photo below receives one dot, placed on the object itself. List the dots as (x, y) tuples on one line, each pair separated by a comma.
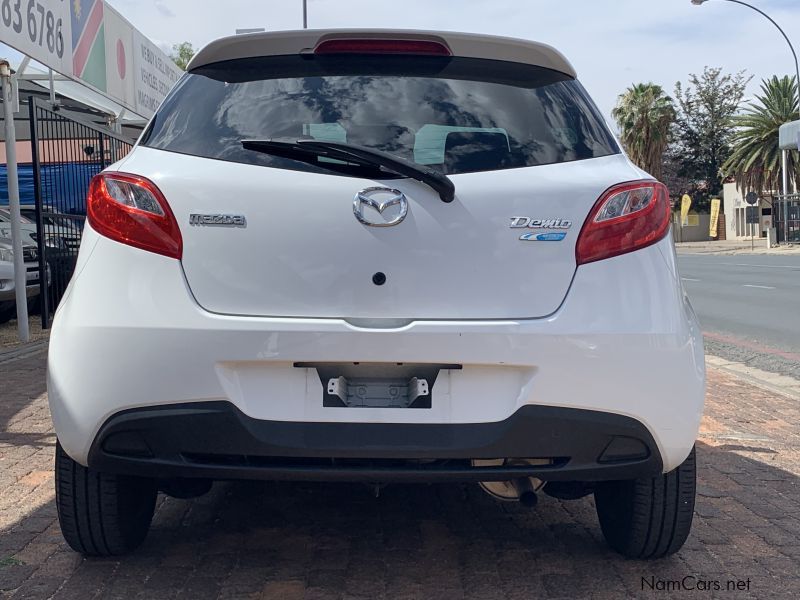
[(132, 210), (627, 217), (377, 46)]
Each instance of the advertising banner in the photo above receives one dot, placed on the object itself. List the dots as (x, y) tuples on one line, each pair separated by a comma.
[(120, 72), (686, 204), (713, 223), (42, 29), (89, 41), (155, 74)]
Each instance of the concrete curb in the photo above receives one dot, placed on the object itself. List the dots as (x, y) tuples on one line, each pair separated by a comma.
[(734, 249), (780, 384), (25, 351)]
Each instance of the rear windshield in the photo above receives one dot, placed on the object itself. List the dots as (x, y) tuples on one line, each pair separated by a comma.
[(457, 115)]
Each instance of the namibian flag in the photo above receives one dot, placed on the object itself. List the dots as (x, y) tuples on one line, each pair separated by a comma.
[(88, 42)]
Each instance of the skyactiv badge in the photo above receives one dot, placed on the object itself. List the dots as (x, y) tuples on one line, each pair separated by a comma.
[(542, 237)]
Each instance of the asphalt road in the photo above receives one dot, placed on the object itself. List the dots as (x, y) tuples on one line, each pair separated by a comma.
[(749, 307)]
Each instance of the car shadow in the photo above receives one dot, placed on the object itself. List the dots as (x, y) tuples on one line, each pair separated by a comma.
[(279, 539), (22, 386)]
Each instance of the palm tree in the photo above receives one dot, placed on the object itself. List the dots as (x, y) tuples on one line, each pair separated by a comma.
[(756, 159), (645, 114)]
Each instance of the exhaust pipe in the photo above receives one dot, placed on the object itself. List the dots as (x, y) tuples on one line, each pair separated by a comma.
[(527, 497)]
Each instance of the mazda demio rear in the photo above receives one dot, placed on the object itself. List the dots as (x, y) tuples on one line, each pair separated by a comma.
[(377, 256)]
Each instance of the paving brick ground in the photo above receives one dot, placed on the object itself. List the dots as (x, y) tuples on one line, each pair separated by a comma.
[(9, 338), (288, 541)]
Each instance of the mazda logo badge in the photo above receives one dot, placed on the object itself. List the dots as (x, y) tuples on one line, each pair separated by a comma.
[(380, 207)]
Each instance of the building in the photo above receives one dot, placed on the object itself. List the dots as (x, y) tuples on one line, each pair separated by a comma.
[(736, 226)]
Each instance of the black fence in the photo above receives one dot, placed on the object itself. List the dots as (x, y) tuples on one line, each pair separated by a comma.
[(66, 154), (783, 207)]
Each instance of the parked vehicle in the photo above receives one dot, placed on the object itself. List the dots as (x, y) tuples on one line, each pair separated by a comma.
[(378, 256), (60, 233), (8, 303), (67, 226), (27, 227), (62, 240)]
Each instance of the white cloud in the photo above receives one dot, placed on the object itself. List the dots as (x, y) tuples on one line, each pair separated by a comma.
[(162, 7)]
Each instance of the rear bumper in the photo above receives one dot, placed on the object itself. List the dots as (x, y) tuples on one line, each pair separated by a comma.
[(10, 295), (216, 440), (625, 343)]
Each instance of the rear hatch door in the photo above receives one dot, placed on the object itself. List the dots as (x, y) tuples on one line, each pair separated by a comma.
[(270, 236)]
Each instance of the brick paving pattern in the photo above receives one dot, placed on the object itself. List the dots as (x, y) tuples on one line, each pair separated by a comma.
[(10, 339), (315, 541)]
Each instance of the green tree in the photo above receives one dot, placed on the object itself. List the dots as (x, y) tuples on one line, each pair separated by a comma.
[(756, 159), (644, 114), (181, 54), (703, 133)]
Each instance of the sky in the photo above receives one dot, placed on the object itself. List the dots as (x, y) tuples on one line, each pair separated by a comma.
[(611, 43)]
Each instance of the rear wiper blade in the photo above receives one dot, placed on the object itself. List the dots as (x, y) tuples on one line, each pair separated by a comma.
[(305, 149)]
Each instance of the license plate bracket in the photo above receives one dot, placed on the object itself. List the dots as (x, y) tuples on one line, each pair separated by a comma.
[(370, 392), (377, 385)]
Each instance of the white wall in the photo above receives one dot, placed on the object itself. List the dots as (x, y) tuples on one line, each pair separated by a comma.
[(735, 221)]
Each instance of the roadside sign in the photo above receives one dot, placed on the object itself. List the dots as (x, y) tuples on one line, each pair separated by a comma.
[(751, 198), (154, 74), (752, 215), (90, 42), (789, 136), (41, 29)]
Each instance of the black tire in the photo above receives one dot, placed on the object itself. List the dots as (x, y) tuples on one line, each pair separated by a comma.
[(102, 514), (648, 518), (7, 312), (34, 305)]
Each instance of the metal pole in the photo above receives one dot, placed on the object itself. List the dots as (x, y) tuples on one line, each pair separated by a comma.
[(785, 174), (44, 280), (118, 122), (20, 273), (53, 101), (797, 80), (305, 14), (783, 33)]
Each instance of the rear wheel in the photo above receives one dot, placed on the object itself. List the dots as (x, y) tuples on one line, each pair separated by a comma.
[(8, 312), (102, 514), (651, 517)]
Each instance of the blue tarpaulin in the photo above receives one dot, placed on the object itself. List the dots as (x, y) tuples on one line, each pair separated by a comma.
[(64, 186), (25, 184)]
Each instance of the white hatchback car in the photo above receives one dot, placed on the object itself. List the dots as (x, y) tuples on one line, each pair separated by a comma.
[(377, 256)]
